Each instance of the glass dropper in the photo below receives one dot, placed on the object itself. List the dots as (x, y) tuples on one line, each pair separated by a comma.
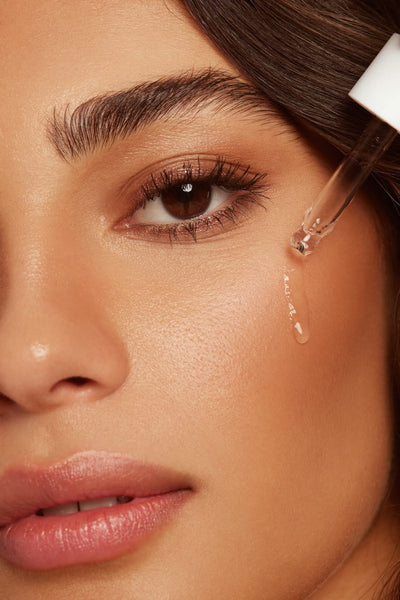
[(320, 218), (378, 90)]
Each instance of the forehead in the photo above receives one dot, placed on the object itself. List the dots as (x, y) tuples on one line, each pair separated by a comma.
[(67, 51)]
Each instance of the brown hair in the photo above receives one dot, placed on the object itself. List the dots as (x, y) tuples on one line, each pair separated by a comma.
[(306, 55)]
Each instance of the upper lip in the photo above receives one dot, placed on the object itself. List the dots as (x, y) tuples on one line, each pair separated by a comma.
[(90, 474)]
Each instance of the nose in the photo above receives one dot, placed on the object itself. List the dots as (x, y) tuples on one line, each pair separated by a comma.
[(56, 343)]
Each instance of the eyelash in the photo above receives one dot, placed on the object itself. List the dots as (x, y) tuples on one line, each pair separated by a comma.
[(221, 173)]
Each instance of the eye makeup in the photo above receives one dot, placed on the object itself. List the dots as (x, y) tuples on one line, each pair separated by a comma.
[(185, 188)]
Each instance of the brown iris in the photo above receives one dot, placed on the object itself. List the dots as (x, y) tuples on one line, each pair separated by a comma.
[(187, 200)]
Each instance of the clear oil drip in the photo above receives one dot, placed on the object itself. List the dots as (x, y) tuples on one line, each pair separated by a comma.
[(293, 278), (320, 218)]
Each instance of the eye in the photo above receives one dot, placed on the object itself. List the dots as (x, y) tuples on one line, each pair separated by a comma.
[(182, 202), (197, 198)]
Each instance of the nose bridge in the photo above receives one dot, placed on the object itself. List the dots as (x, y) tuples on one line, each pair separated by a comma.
[(42, 266), (58, 344)]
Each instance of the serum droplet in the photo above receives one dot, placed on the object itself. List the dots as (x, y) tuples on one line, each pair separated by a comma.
[(295, 293)]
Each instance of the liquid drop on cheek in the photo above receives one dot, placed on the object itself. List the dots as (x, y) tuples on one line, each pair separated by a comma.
[(293, 278)]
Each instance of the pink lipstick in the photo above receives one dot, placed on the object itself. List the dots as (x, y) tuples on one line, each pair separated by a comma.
[(92, 506)]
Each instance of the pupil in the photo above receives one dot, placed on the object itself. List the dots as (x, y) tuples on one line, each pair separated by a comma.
[(187, 200), (185, 193)]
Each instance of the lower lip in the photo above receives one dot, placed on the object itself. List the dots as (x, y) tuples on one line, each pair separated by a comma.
[(42, 543)]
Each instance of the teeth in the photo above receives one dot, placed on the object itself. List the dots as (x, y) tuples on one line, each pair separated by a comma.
[(83, 505), (97, 503)]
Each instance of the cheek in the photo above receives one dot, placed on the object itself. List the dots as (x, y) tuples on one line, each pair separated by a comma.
[(292, 442)]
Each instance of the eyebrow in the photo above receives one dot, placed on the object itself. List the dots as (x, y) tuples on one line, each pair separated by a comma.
[(101, 120)]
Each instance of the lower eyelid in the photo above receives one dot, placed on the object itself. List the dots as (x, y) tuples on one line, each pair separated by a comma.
[(216, 222)]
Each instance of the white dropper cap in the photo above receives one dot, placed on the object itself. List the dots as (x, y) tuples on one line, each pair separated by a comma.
[(378, 89)]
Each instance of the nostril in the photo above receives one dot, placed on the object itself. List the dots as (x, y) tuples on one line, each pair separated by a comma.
[(79, 381), (72, 382)]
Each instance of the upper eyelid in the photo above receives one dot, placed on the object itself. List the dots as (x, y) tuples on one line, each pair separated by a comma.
[(220, 169), (188, 161)]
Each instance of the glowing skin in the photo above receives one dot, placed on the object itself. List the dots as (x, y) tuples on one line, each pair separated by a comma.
[(189, 348)]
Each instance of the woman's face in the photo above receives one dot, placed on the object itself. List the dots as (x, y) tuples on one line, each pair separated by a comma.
[(184, 349)]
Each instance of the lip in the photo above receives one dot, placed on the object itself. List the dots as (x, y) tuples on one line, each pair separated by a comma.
[(39, 543)]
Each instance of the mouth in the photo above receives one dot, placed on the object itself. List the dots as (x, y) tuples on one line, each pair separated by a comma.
[(91, 507)]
